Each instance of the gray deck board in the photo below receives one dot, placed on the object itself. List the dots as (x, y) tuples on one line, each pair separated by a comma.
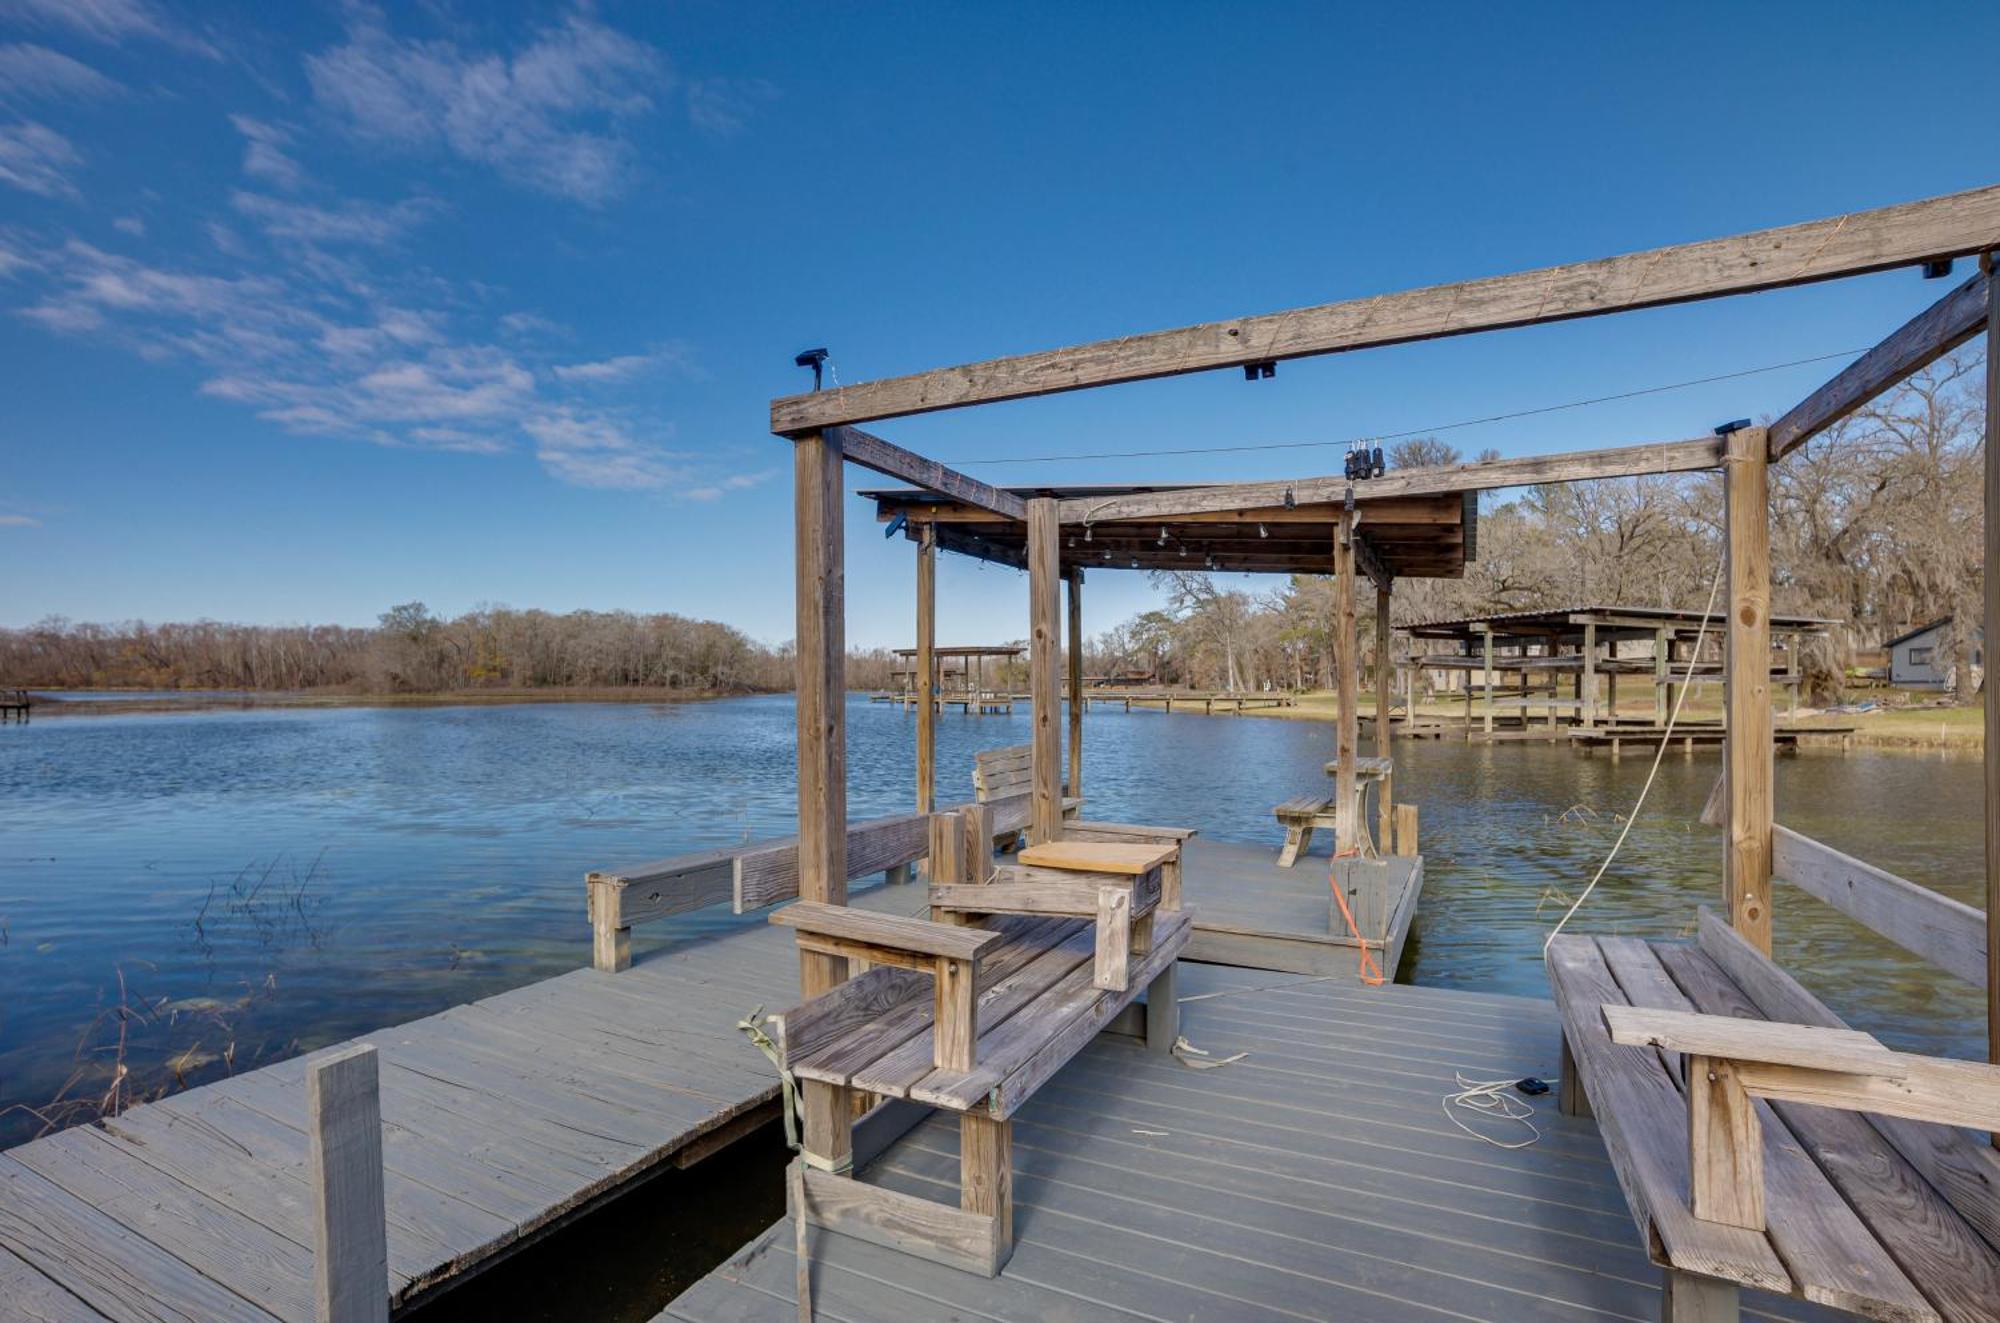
[(1307, 1181)]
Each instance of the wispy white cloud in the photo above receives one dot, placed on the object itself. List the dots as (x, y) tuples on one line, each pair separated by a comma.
[(19, 521), (348, 221), (594, 450), (108, 21), (264, 154), (553, 116), (131, 225), (531, 325), (30, 72), (724, 106), (735, 482), (622, 367), (37, 158)]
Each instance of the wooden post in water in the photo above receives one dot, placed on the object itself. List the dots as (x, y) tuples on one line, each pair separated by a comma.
[(1346, 822), (344, 1156), (1662, 667), (1987, 265), (1487, 634), (1586, 683), (926, 667), (1075, 640), (1747, 695), (1044, 657), (822, 691)]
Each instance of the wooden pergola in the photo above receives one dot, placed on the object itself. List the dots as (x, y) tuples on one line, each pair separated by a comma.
[(1056, 532)]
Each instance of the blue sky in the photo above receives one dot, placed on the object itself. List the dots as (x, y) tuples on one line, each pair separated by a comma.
[(309, 309)]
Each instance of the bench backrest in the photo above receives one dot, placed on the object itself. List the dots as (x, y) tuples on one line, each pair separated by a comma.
[(1003, 773)]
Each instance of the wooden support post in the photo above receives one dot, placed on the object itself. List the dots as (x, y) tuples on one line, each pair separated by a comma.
[(1488, 640), (986, 1175), (1726, 1142), (1044, 659), (954, 1015), (1611, 684), (822, 692), (1986, 264), (1662, 666), (1686, 1298), (1747, 696), (1163, 1011), (1587, 679), (827, 1122), (926, 668), (1385, 671), (1076, 700), (1346, 818), (1406, 830), (1113, 943), (344, 1153), (1571, 1100), (610, 935), (946, 861)]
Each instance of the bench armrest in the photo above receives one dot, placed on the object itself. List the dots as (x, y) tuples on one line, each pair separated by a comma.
[(1732, 1061), (912, 935)]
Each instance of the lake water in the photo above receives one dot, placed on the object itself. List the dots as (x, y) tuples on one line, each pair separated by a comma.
[(224, 888)]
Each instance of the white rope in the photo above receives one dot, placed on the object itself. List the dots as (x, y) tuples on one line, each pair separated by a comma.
[(1687, 682), (1491, 1100)]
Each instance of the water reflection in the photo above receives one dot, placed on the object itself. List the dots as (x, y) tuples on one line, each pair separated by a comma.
[(267, 881)]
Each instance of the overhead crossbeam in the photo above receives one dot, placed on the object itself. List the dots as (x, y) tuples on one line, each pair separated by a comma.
[(886, 457), (1956, 225), (1576, 466), (1921, 341)]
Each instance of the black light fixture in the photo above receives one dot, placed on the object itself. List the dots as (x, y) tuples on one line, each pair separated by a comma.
[(1266, 369), (1163, 535), (814, 359), (1937, 269), (1291, 499), (1724, 429)]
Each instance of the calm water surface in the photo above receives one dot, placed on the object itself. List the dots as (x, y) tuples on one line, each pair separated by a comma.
[(224, 888)]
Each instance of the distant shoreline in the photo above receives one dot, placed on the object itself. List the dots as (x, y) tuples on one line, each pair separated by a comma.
[(198, 701)]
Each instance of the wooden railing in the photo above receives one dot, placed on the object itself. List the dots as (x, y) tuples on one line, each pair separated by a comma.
[(1948, 933), (752, 875)]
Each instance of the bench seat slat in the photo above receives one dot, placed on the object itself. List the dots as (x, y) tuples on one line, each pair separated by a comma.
[(1833, 1258), (1944, 1258), (836, 1059), (1644, 1122), (898, 1072), (1036, 1033)]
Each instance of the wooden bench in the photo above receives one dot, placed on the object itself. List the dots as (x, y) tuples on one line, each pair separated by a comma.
[(1300, 818), (1794, 1156), (972, 1011), (1006, 774)]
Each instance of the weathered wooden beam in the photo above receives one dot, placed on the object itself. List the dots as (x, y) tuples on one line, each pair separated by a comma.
[(344, 1153), (1955, 225), (1044, 662), (886, 457), (1074, 577), (822, 690), (1921, 341), (1530, 470), (1747, 693), (926, 668), (1346, 820), (1992, 504), (1948, 933)]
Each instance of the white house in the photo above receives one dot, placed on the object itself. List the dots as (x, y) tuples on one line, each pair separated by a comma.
[(1920, 659)]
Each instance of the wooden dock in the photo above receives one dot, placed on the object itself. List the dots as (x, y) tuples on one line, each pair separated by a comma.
[(14, 705), (503, 1119), (1316, 1178), (1252, 913)]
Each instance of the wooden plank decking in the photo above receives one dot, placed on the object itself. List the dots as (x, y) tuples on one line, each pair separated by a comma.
[(503, 1119), (1316, 1179), (1252, 913)]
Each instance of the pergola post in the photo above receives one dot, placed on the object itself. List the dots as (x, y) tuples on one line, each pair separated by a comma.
[(1385, 671), (822, 690), (1044, 657), (1747, 757), (1487, 632), (1346, 822), (926, 667), (1662, 666), (1986, 264), (1611, 683), (1075, 639), (1587, 678)]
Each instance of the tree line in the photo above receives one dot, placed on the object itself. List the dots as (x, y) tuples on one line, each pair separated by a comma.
[(1877, 523), (408, 650)]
